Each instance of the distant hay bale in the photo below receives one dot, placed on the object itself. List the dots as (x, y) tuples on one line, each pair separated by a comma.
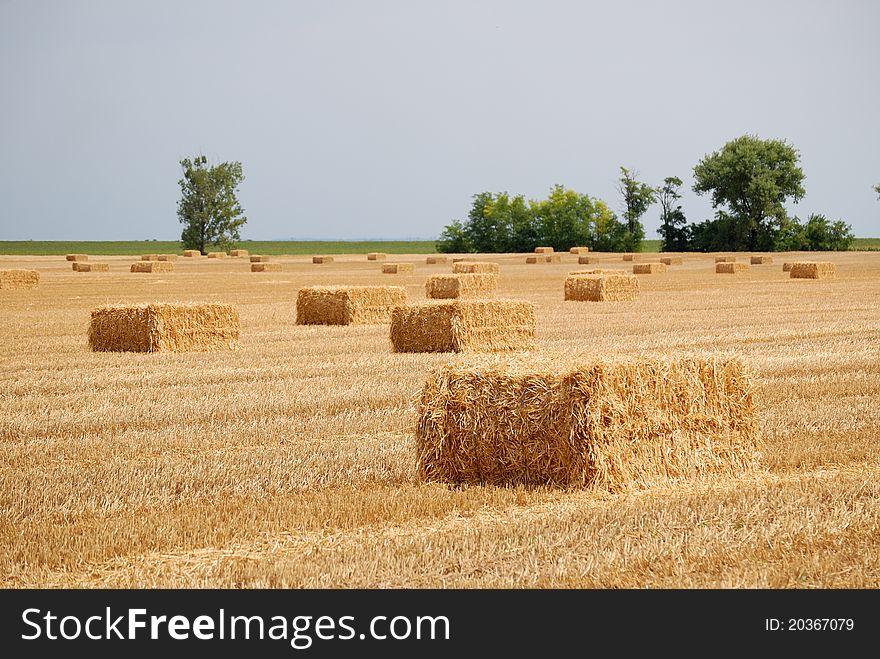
[(586, 260), (152, 266), (434, 260), (578, 250), (258, 258), (322, 259), (91, 267), (627, 257), (216, 255), (730, 267), (149, 257), (648, 268), (376, 256), (761, 260), (167, 257), (474, 285), (189, 253), (812, 270), (462, 258), (77, 257), (347, 305), (543, 250), (599, 423), (544, 258), (397, 268), (164, 327), (10, 279), (725, 259), (671, 260), (786, 266), (601, 271), (239, 253), (601, 287), (475, 266), (464, 325), (265, 267)]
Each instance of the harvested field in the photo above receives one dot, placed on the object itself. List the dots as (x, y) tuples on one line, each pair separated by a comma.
[(152, 266), (812, 270), (10, 279), (397, 268), (475, 266), (725, 259), (149, 257), (434, 260), (671, 260), (544, 258), (322, 259), (760, 259), (376, 256), (601, 286), (648, 268), (347, 305), (461, 286), (579, 250), (627, 257), (77, 257), (730, 267), (238, 253), (91, 267), (265, 267), (259, 258), (543, 250)]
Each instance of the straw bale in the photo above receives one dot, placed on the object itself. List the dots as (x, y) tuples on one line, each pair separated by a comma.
[(812, 270), (164, 327), (627, 257), (322, 259), (586, 260), (149, 257), (601, 288), (152, 266), (239, 252), (464, 325), (77, 257), (761, 260), (10, 279), (730, 267), (91, 267), (463, 258), (468, 285), (376, 256), (258, 258), (671, 260), (433, 260), (476, 266), (725, 259), (189, 253), (265, 267), (786, 266), (397, 268), (347, 305), (601, 271), (543, 250), (167, 257), (544, 258), (593, 422), (578, 250), (216, 255), (648, 268)]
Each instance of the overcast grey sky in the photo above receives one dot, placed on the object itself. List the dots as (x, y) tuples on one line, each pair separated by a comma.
[(382, 119)]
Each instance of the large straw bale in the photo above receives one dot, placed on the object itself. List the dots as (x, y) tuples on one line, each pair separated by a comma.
[(347, 305), (475, 266), (627, 257), (152, 266), (725, 259), (671, 260), (730, 267), (586, 260), (761, 259), (648, 268), (216, 255), (259, 258), (149, 257), (190, 253), (464, 325), (786, 266), (544, 258), (322, 259), (433, 260), (473, 285), (164, 327), (605, 424), (397, 268), (602, 288), (578, 250), (77, 257), (10, 279), (543, 250), (265, 267), (376, 256), (167, 257), (812, 270), (239, 252), (90, 267)]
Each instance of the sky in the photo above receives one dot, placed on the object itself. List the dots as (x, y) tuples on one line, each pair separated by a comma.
[(359, 120)]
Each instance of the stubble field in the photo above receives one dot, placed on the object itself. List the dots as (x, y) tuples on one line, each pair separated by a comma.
[(290, 462)]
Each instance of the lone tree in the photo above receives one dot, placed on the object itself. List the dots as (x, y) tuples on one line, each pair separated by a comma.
[(208, 206), (877, 190), (752, 179), (637, 198), (673, 229)]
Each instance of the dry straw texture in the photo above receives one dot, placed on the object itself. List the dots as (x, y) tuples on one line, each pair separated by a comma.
[(467, 325), (258, 258), (462, 258), (265, 267), (761, 260), (586, 260), (627, 257), (189, 253), (347, 305), (725, 259), (149, 257), (601, 271), (152, 266), (239, 252), (543, 250), (216, 255), (475, 266), (322, 259), (578, 250), (433, 260), (167, 257), (671, 260), (19, 279), (164, 327), (91, 267), (786, 266), (730, 267), (544, 258), (396, 268), (601, 287), (376, 256), (812, 270), (648, 268), (587, 422), (77, 257), (462, 286)]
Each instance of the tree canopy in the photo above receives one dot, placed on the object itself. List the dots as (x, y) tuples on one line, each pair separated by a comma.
[(208, 207)]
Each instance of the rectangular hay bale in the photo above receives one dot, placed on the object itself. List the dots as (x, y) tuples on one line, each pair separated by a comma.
[(812, 270), (464, 325), (730, 267), (544, 258), (543, 250), (627, 257), (76, 257), (347, 305), (671, 260), (322, 259), (259, 258), (648, 268), (17, 278), (761, 259), (152, 266), (190, 253), (376, 256), (149, 257), (467, 285), (397, 268), (238, 253), (216, 255), (725, 259), (578, 250), (586, 260), (91, 267), (476, 266), (434, 260), (601, 287), (265, 267), (167, 257)]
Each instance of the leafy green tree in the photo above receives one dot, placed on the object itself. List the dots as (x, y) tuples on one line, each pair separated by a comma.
[(791, 237), (637, 198), (877, 190), (454, 239), (752, 179), (824, 236), (208, 207), (673, 231)]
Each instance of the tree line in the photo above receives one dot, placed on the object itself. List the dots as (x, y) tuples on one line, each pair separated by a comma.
[(749, 181)]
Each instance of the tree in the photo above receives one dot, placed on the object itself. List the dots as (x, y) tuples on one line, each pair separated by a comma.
[(752, 179), (824, 236), (637, 198), (454, 239), (208, 207), (673, 231), (877, 190)]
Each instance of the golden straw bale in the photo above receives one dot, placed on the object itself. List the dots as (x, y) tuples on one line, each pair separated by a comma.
[(601, 271), (544, 258), (376, 256), (463, 258), (77, 257), (347, 305), (468, 285), (164, 327), (91, 267), (216, 255), (648, 268), (167, 257), (152, 266), (601, 288), (586, 260), (239, 253), (265, 267), (725, 259), (460, 325), (786, 266), (433, 260), (189, 253), (730, 267), (149, 257), (543, 250), (258, 258), (584, 421), (761, 260), (812, 270), (322, 259), (475, 266), (671, 260), (627, 257), (10, 279), (578, 250), (397, 268)]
